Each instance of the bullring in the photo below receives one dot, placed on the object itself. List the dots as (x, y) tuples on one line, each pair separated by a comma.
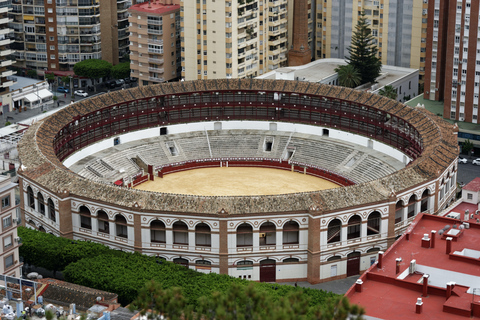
[(314, 236)]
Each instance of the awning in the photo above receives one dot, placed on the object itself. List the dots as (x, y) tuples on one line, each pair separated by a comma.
[(119, 182), (44, 93), (31, 97), (25, 17)]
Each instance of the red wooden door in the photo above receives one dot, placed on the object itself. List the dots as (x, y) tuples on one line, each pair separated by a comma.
[(267, 270), (353, 264)]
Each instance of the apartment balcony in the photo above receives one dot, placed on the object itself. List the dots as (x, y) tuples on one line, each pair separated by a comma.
[(6, 42), (7, 84), (154, 31), (156, 79), (158, 70), (154, 60), (7, 52), (5, 20), (6, 63), (8, 73)]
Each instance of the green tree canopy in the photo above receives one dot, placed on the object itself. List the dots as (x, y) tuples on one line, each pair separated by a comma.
[(239, 302), (348, 76), (50, 77), (467, 146), (389, 92), (92, 68), (65, 80), (121, 70), (32, 73), (363, 52)]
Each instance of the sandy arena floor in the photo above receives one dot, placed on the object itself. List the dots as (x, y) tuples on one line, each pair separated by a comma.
[(236, 181)]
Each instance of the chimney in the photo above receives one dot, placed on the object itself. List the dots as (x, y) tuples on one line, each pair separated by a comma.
[(432, 239), (425, 285), (413, 267), (149, 4), (397, 265), (425, 241), (380, 259), (449, 245), (358, 285), (449, 289), (419, 305)]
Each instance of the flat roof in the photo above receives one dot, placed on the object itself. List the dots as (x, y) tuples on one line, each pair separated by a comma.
[(22, 82), (154, 7), (387, 294), (320, 69)]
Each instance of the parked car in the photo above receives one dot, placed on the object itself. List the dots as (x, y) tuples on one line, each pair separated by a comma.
[(133, 79), (127, 80), (81, 93), (63, 90), (462, 160), (119, 82), (110, 84), (476, 162)]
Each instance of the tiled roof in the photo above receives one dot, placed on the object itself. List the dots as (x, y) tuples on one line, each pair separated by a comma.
[(41, 164), (473, 185)]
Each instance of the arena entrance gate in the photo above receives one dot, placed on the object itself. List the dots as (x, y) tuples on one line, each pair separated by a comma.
[(353, 264), (267, 270)]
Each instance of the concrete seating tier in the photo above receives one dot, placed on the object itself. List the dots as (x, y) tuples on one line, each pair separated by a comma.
[(357, 163)]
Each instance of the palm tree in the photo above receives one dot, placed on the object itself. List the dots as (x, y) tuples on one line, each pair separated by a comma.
[(389, 92), (348, 76)]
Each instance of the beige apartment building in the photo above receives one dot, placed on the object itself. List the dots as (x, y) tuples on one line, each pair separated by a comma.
[(9, 257), (236, 38), (398, 27), (155, 41), (5, 56)]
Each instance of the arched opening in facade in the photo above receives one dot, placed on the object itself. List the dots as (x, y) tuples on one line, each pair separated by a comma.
[(291, 233), (424, 201), (121, 226), (373, 223), (181, 261), (204, 265), (41, 203), (103, 224), (334, 231), (85, 218), (157, 232), (244, 235), (268, 270), (411, 206), (42, 229), (353, 264), (203, 237), (354, 227), (51, 210), (291, 260), (267, 236), (399, 211), (180, 233), (30, 198)]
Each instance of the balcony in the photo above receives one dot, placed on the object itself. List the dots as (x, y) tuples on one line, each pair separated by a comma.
[(156, 79), (159, 61), (159, 70)]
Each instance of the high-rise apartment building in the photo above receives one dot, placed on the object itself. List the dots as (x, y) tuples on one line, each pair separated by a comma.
[(452, 71), (6, 52), (155, 41), (56, 34), (398, 27), (236, 38)]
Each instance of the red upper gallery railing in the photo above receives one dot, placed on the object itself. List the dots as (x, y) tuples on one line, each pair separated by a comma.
[(238, 105)]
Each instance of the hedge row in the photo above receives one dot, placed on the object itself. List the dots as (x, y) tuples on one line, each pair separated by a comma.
[(97, 266)]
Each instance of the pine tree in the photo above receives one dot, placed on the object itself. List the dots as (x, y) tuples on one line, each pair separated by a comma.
[(363, 52)]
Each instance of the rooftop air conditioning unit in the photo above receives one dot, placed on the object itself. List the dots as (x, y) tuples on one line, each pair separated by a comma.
[(461, 119)]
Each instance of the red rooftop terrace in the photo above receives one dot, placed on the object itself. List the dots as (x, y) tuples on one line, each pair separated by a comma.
[(431, 272)]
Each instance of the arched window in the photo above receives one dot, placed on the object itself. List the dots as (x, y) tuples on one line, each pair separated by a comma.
[(202, 235), (245, 265), (121, 226), (244, 235), (157, 231), (51, 210), (42, 229), (290, 232), (354, 226), (334, 258), (334, 231), (373, 223), (267, 234), (399, 211), (424, 201), (372, 250), (411, 206), (85, 218), (181, 261), (30, 198), (30, 222), (103, 225), (180, 232), (203, 262), (290, 260), (41, 203)]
